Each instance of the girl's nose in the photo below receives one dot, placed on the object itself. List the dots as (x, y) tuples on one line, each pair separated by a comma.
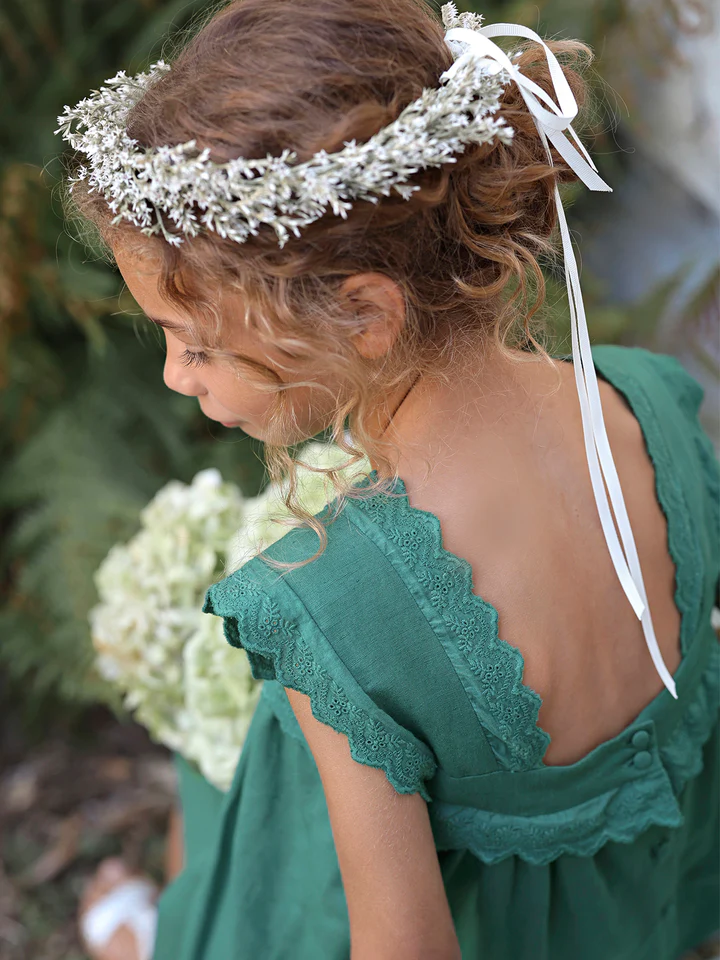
[(181, 379)]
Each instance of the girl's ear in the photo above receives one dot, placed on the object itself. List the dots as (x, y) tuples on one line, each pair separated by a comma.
[(380, 304)]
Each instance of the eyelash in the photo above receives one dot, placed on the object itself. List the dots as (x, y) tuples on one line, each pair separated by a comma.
[(190, 359)]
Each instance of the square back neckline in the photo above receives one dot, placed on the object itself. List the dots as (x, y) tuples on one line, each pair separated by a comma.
[(679, 532)]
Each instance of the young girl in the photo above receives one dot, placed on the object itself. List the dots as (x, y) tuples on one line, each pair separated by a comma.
[(489, 722)]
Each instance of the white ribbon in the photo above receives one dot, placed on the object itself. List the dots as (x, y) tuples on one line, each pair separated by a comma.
[(550, 124)]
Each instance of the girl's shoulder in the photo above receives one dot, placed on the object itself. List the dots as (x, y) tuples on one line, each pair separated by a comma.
[(666, 400), (652, 372), (323, 629)]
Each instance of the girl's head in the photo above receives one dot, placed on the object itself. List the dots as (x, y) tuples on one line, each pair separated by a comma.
[(321, 334), (236, 381)]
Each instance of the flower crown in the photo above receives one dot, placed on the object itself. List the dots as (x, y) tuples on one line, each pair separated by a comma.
[(184, 186)]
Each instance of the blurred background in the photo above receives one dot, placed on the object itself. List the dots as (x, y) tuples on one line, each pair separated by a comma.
[(89, 433)]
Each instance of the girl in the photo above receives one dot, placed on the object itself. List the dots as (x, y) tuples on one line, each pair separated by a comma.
[(489, 723)]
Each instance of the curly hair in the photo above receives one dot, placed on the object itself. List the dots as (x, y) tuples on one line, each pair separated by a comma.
[(466, 250)]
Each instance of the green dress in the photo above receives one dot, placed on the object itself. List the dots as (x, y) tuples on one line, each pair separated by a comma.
[(614, 857)]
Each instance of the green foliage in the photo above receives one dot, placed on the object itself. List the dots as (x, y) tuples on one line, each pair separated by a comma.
[(88, 431)]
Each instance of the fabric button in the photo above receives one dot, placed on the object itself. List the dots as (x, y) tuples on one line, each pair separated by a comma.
[(641, 739), (642, 759)]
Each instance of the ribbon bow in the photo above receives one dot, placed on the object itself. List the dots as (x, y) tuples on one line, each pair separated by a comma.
[(464, 43)]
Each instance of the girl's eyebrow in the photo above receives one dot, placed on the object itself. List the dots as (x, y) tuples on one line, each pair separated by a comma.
[(168, 324)]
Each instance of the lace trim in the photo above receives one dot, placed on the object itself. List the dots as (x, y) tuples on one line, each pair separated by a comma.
[(622, 814), (277, 651), (507, 707), (619, 815), (683, 543), (683, 754), (690, 396)]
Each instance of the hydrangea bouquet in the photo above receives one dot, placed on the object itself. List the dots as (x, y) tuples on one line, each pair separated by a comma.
[(177, 674)]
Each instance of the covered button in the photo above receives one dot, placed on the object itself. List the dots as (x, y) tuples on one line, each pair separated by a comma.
[(641, 739), (642, 759)]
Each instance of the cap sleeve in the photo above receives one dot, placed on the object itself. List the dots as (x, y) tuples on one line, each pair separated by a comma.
[(263, 616), (689, 394), (685, 388)]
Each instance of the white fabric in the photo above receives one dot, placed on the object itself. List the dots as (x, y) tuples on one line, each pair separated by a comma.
[(130, 903), (464, 42)]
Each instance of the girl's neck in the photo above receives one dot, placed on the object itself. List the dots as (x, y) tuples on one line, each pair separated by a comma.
[(492, 392)]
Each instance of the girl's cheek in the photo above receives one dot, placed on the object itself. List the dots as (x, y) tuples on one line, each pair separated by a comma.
[(254, 406), (246, 402)]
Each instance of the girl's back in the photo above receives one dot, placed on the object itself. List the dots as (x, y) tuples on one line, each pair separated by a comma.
[(508, 454)]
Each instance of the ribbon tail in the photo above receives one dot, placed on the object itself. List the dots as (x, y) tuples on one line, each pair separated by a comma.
[(587, 173), (601, 499), (595, 433), (582, 149)]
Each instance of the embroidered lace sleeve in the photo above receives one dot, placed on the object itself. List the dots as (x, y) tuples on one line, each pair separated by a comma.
[(689, 394), (264, 617)]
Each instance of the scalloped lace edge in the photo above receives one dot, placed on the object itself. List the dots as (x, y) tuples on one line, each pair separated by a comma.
[(459, 827), (682, 754), (277, 651), (515, 736)]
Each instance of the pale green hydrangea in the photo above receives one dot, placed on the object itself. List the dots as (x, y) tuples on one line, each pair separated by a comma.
[(259, 529), (178, 675)]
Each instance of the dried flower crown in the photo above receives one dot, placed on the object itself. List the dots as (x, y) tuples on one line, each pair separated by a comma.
[(184, 186)]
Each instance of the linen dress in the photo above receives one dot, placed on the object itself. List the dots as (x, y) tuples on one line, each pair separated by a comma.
[(614, 857)]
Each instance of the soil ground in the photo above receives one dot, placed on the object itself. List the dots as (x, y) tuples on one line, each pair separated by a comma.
[(84, 789)]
